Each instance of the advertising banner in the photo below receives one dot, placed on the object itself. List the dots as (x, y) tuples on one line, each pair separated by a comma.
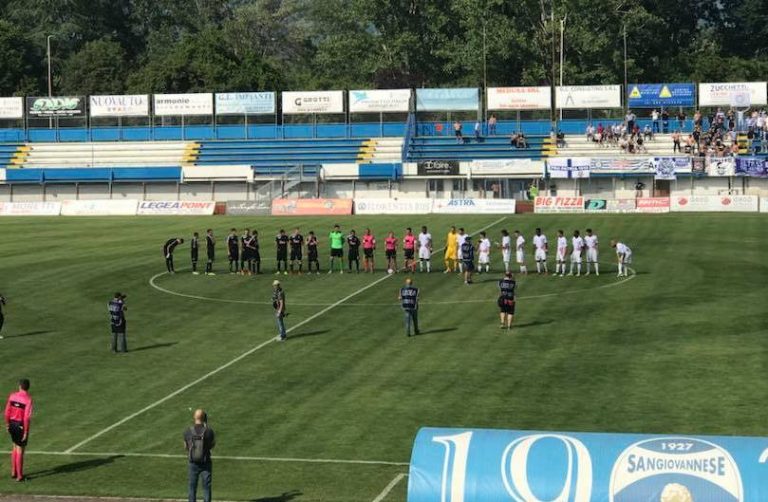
[(661, 95), (721, 166), (475, 465), (739, 94), (588, 96), (379, 101), (438, 100), (715, 203), (558, 205), (519, 98), (313, 102), (764, 204), (11, 108), (437, 168), (621, 205), (30, 208), (103, 207), (698, 165), (393, 206), (756, 167), (183, 104), (134, 105), (245, 103), (64, 106), (506, 166), (249, 207), (175, 208), (653, 205), (474, 206), (596, 205), (666, 168), (638, 165), (311, 207), (568, 168)]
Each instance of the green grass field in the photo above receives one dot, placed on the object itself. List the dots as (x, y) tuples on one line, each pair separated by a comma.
[(679, 348)]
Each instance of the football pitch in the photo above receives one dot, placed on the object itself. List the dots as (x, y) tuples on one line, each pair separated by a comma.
[(330, 415)]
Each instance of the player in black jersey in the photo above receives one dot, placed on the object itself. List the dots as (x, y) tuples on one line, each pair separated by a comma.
[(194, 251), (245, 253), (255, 254), (281, 242), (210, 248), (353, 250), (168, 248), (506, 300), (297, 245), (312, 252), (233, 250)]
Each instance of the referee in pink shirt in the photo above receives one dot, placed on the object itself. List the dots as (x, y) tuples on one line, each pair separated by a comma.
[(18, 411)]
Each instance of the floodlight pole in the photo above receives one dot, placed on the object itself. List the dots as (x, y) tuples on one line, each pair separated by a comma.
[(626, 101)]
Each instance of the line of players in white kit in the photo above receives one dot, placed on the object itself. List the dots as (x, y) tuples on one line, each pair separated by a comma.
[(565, 262)]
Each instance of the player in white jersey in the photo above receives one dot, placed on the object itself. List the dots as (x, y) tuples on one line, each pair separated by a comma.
[(540, 251), (520, 252), (460, 240), (484, 253), (590, 240), (577, 243), (425, 250), (624, 255), (506, 249), (562, 251)]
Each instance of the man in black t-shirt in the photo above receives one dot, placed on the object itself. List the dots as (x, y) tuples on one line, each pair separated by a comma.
[(210, 245), (312, 252), (168, 248), (255, 253), (297, 245), (233, 250), (2, 315), (245, 253), (506, 301), (117, 323), (281, 244), (353, 250), (199, 440), (194, 248)]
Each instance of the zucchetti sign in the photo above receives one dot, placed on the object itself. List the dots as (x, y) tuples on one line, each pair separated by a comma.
[(56, 106), (473, 465)]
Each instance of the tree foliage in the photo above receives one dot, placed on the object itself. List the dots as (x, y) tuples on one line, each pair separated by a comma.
[(116, 46)]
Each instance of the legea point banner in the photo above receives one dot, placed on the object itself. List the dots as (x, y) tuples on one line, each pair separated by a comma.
[(11, 108), (589, 96), (379, 101), (519, 98), (133, 105), (437, 100), (741, 94), (313, 102), (245, 103), (183, 104)]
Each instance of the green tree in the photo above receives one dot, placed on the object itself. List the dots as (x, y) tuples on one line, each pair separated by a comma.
[(99, 67)]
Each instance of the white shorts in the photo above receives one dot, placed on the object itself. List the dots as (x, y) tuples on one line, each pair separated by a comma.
[(520, 256), (575, 257), (506, 255), (484, 258), (627, 258), (541, 255), (592, 255), (424, 253), (561, 255)]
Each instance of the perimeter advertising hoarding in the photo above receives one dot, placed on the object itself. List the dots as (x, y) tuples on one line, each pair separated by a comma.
[(661, 95), (56, 106), (379, 101), (134, 105), (183, 104), (99, 207), (393, 206), (11, 108), (519, 98), (437, 168), (473, 206), (245, 103), (439, 100), (295, 103), (175, 208), (311, 207), (558, 205)]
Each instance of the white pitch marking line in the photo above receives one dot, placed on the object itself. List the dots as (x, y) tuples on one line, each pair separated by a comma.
[(224, 457), (392, 484), (239, 358)]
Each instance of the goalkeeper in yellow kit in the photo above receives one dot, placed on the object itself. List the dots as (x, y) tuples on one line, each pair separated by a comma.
[(451, 250)]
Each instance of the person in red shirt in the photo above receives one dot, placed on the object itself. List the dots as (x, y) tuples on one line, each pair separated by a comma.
[(409, 249), (369, 246), (390, 249), (18, 411)]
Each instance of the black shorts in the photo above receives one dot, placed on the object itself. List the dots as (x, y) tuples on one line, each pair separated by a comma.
[(255, 256), (312, 255), (368, 253), (469, 266), (194, 256), (506, 306), (391, 253), (296, 254), (16, 430), (211, 255), (337, 253), (354, 254), (118, 328), (233, 254), (408, 254), (282, 255), (245, 256)]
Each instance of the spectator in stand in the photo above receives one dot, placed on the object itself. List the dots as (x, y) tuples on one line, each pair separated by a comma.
[(664, 121), (477, 131), (676, 142), (492, 125), (697, 120), (731, 120), (690, 145), (655, 120), (590, 132), (629, 121), (647, 132), (457, 132), (681, 120), (560, 139), (734, 149), (719, 121)]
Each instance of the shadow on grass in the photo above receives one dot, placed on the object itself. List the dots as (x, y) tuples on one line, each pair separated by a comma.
[(306, 335), (285, 497), (72, 467), (30, 333), (532, 323), (155, 346), (435, 331)]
